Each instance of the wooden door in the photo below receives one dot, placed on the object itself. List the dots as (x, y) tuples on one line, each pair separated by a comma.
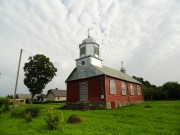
[(83, 87)]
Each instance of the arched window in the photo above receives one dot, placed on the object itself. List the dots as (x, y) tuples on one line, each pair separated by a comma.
[(131, 89), (123, 88), (112, 87), (138, 90)]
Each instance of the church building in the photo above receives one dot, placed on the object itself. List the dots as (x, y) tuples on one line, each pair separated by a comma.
[(92, 82)]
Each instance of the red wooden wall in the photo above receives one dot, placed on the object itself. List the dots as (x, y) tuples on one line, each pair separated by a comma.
[(95, 89), (118, 96)]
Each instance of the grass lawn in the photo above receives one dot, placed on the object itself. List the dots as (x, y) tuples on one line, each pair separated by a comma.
[(149, 118)]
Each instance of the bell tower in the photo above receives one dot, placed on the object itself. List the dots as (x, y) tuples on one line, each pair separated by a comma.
[(89, 53)]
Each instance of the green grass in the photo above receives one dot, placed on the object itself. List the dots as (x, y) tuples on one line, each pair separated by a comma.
[(149, 118)]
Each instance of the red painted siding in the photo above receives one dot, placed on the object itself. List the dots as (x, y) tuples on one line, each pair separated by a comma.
[(100, 84), (73, 91), (118, 96), (95, 89)]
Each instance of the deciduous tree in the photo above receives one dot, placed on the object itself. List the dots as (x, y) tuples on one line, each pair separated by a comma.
[(39, 71)]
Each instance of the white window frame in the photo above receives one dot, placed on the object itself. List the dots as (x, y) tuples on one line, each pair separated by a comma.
[(131, 89), (138, 90), (123, 88), (112, 87)]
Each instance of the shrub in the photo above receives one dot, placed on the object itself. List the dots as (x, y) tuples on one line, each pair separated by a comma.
[(28, 117), (4, 104), (54, 118), (74, 119), (34, 112), (17, 114)]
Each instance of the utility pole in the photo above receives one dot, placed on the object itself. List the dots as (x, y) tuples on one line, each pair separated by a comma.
[(17, 78)]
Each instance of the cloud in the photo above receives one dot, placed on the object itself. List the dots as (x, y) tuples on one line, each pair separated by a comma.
[(143, 34)]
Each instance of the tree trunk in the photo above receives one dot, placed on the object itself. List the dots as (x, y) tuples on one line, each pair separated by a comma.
[(32, 98)]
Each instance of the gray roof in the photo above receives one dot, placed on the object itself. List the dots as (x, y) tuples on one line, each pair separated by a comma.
[(85, 72), (58, 92), (88, 40), (25, 96), (117, 74)]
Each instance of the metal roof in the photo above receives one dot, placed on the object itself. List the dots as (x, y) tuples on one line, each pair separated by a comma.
[(25, 96), (92, 70), (117, 74), (58, 92)]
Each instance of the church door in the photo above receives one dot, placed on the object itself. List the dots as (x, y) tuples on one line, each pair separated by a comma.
[(83, 87)]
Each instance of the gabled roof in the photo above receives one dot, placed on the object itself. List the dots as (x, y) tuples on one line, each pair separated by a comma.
[(58, 92), (92, 70), (117, 74)]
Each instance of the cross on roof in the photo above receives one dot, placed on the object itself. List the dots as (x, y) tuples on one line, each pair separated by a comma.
[(88, 33), (122, 63)]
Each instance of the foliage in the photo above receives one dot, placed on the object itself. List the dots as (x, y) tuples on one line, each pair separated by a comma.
[(28, 117), (54, 118), (169, 91), (27, 113), (40, 97), (17, 113), (39, 71), (73, 119), (4, 104), (32, 111)]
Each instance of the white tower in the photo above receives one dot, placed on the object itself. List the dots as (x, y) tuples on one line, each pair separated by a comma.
[(89, 53)]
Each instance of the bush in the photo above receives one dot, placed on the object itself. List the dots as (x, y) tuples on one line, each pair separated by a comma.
[(34, 112), (4, 104), (28, 117), (17, 114), (74, 119), (54, 119)]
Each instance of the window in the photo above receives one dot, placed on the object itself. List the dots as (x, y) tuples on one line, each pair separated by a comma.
[(82, 50), (112, 87), (138, 90), (96, 50), (123, 88), (131, 89)]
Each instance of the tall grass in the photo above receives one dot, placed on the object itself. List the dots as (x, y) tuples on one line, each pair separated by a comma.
[(151, 118)]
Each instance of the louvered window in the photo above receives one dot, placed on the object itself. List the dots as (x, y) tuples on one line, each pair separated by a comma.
[(96, 50), (82, 51)]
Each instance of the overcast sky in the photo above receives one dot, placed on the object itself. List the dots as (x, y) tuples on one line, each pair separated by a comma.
[(145, 34)]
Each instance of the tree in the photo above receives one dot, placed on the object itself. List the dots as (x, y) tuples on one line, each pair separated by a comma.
[(171, 90), (39, 71)]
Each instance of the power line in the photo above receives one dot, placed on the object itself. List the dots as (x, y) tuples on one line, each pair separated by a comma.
[(6, 75)]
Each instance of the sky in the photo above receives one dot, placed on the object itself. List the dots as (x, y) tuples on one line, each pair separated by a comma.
[(144, 34)]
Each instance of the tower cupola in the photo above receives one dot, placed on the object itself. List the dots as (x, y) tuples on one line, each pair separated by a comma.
[(89, 49)]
